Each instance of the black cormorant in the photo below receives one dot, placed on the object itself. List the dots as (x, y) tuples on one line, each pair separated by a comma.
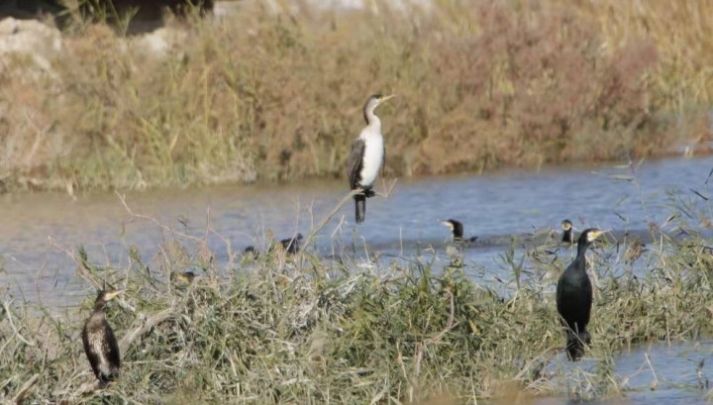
[(456, 228), (251, 251), (367, 156), (567, 232), (292, 245), (574, 297), (99, 341), (184, 278)]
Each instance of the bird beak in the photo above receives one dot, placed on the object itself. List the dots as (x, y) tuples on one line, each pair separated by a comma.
[(447, 224), (596, 234), (113, 294), (390, 96)]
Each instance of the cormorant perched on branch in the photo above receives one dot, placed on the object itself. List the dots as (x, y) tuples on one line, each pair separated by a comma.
[(456, 228), (367, 156), (99, 342), (567, 232), (574, 297)]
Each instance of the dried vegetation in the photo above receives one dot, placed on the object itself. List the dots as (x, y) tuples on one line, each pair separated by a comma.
[(274, 96)]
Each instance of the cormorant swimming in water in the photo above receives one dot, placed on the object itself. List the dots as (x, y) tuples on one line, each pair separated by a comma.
[(567, 232), (292, 245), (99, 342), (367, 156), (456, 228), (250, 250), (574, 297)]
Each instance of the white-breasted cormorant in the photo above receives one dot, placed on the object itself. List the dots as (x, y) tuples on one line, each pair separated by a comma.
[(456, 228), (367, 156), (99, 342), (567, 232), (574, 297)]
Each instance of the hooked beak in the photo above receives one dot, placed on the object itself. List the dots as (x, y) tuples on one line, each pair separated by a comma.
[(111, 295), (596, 234), (390, 96)]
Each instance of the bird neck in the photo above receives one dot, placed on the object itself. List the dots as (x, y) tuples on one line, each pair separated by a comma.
[(99, 306), (582, 250), (371, 119), (457, 232)]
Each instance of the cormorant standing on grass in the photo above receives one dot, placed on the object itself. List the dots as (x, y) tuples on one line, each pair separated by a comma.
[(367, 156), (99, 342), (574, 297), (567, 232), (184, 278), (456, 228)]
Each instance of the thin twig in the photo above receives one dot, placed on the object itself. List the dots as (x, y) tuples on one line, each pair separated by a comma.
[(387, 192), (449, 325), (155, 221), (655, 382), (12, 325), (330, 215), (20, 396)]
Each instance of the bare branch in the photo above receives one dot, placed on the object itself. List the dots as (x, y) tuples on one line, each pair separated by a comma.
[(146, 326), (330, 215)]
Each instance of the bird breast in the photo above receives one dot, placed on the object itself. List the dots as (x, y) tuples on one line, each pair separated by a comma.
[(373, 159), (98, 345)]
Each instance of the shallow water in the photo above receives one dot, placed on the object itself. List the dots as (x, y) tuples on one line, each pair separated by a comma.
[(40, 231), (650, 374)]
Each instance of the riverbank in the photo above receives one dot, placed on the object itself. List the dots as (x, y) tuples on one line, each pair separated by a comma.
[(262, 96), (304, 329)]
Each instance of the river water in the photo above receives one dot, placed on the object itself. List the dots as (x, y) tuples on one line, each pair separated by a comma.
[(40, 231)]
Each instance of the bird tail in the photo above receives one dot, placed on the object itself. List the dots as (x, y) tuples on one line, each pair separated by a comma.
[(575, 344), (360, 207)]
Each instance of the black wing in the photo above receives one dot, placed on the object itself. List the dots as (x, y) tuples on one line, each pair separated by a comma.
[(89, 351), (354, 163), (111, 348)]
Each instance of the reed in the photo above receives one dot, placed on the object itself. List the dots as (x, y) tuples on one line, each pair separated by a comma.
[(311, 330)]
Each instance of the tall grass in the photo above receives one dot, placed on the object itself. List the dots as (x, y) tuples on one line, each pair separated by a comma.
[(274, 96), (310, 330)]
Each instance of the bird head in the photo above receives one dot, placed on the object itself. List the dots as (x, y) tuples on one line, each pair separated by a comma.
[(455, 226), (566, 225), (185, 277), (104, 296), (374, 101), (590, 235)]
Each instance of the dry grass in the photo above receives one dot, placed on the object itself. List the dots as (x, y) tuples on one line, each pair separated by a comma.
[(482, 85)]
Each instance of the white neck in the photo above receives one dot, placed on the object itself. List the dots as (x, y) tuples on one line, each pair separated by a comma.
[(373, 121)]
